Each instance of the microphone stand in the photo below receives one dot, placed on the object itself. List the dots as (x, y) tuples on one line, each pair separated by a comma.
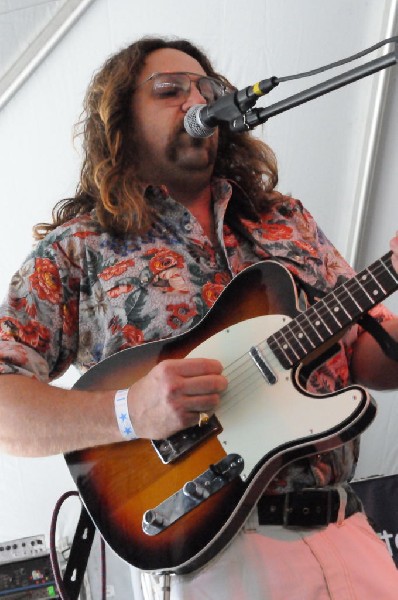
[(257, 116)]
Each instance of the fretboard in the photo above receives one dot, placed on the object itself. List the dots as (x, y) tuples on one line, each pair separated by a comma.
[(337, 310)]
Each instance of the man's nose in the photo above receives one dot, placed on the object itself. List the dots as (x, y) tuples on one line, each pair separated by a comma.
[(194, 97)]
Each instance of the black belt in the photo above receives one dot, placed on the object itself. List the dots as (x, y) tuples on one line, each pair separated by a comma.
[(308, 508)]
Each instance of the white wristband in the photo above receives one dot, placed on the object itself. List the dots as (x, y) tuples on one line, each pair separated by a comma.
[(122, 415)]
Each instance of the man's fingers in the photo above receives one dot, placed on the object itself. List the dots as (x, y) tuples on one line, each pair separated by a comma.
[(394, 244), (204, 384), (192, 367)]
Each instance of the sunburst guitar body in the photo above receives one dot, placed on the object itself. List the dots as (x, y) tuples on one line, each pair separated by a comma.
[(172, 505)]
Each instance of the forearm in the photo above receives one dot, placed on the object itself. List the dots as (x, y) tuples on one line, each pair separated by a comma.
[(370, 366), (37, 419)]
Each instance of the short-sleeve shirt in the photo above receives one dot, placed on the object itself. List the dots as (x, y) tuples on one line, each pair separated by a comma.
[(84, 294)]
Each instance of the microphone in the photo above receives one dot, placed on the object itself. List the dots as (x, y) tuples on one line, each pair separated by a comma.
[(236, 108), (198, 125), (201, 120)]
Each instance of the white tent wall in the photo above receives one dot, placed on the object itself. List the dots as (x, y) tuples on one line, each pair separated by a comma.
[(321, 146)]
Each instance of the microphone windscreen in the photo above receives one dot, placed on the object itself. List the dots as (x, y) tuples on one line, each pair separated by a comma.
[(194, 125)]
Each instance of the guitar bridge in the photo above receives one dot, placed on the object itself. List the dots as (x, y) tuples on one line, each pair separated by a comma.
[(156, 520), (172, 448)]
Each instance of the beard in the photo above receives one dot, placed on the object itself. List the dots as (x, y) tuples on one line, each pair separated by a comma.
[(179, 153), (189, 153), (193, 154), (179, 162)]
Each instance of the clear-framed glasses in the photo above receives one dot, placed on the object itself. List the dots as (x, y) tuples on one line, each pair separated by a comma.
[(174, 88)]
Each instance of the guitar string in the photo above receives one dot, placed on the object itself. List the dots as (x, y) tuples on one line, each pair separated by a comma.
[(240, 375), (247, 378), (322, 308), (248, 375), (241, 369), (343, 293)]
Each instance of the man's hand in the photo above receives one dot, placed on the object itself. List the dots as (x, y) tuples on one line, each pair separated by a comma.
[(394, 248), (173, 394)]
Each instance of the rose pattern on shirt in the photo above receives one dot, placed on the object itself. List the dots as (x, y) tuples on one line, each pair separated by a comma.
[(83, 295)]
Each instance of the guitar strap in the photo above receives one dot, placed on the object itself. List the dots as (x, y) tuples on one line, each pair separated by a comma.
[(382, 337)]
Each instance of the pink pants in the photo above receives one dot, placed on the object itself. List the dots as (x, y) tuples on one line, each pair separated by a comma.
[(339, 562)]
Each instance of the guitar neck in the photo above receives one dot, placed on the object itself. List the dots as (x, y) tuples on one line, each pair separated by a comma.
[(340, 308)]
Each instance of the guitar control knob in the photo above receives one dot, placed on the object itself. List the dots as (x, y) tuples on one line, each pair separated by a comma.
[(194, 490)]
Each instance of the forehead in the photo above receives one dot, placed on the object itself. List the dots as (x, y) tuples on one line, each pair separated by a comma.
[(169, 60)]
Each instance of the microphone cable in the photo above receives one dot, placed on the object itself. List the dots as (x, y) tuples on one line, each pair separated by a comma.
[(338, 63)]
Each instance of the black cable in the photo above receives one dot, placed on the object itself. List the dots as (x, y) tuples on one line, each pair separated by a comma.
[(53, 551), (338, 63), (53, 547)]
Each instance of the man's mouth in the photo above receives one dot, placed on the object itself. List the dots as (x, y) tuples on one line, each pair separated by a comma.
[(189, 140)]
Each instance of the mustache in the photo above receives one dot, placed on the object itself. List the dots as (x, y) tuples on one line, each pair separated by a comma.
[(179, 141), (181, 131)]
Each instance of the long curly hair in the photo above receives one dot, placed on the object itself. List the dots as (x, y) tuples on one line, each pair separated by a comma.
[(109, 178)]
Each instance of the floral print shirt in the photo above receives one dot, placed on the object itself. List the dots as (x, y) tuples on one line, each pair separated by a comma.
[(84, 294)]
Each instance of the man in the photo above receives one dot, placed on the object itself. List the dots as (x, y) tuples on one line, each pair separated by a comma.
[(160, 224)]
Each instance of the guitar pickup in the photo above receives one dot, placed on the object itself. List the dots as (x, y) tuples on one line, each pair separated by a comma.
[(156, 520), (172, 448)]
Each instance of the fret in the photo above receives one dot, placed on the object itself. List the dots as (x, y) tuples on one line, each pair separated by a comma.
[(340, 305), (387, 275), (335, 311), (338, 309), (366, 292), (347, 297), (319, 320), (364, 299), (294, 343), (297, 340), (384, 273), (377, 282), (281, 345), (285, 345), (304, 337), (314, 329)]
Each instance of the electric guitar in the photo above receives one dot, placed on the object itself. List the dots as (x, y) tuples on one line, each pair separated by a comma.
[(171, 505)]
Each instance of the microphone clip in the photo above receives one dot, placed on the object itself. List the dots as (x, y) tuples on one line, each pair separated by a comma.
[(232, 106)]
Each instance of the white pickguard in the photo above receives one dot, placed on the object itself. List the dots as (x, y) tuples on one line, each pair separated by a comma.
[(257, 416)]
